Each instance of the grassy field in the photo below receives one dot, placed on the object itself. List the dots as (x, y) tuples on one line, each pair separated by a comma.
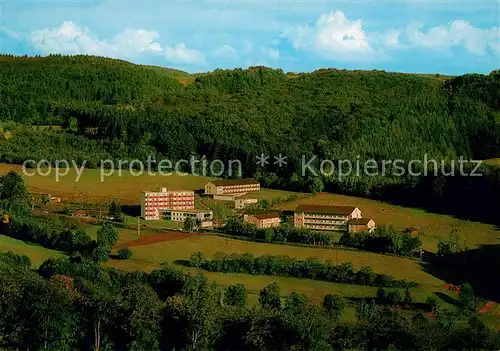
[(89, 188), (126, 188), (170, 251), (493, 161), (125, 235), (161, 223), (121, 186), (431, 226), (150, 257), (153, 256), (37, 254)]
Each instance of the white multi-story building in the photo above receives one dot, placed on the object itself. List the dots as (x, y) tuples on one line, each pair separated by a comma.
[(330, 218), (235, 187), (154, 204)]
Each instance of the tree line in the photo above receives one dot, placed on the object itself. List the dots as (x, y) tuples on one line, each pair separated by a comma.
[(113, 109), (286, 266), (68, 305), (383, 240), (51, 232)]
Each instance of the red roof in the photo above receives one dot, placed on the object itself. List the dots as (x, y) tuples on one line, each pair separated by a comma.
[(344, 210)]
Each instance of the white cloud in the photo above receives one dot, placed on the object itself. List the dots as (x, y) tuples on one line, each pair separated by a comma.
[(391, 38), (272, 53), (9, 33), (225, 52), (181, 54), (69, 38), (458, 33), (334, 36)]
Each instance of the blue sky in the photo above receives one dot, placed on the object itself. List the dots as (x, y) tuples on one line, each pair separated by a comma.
[(449, 37)]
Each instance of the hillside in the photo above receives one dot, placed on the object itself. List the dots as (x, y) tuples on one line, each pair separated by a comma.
[(118, 110)]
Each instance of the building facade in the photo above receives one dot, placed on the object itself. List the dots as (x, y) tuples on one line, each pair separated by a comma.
[(242, 203), (321, 217), (154, 204), (181, 215), (232, 187), (358, 225), (266, 220)]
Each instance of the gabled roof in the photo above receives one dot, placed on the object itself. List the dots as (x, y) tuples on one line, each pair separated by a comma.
[(360, 221), (344, 210), (223, 182)]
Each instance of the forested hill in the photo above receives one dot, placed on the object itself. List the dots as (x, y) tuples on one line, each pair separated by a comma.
[(111, 108)]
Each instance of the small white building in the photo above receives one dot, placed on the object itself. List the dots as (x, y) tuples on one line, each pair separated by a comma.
[(181, 215)]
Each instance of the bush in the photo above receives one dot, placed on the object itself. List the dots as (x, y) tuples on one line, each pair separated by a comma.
[(290, 267), (334, 305), (124, 253), (269, 296), (384, 240), (100, 254), (107, 236), (197, 259), (14, 259), (281, 234), (432, 304), (468, 298), (236, 295)]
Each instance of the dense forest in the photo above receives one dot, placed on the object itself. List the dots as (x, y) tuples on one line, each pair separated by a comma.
[(68, 305), (101, 108)]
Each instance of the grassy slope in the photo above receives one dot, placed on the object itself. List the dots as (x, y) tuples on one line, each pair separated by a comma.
[(126, 187), (151, 257), (172, 251), (493, 161), (37, 254), (89, 187), (432, 226)]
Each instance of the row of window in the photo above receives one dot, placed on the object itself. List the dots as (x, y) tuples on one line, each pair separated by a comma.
[(168, 196), (187, 193)]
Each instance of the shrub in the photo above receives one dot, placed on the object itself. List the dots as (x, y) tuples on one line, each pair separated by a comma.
[(269, 296), (290, 267), (107, 236), (334, 305), (432, 304), (236, 295), (296, 303), (124, 253), (100, 254), (14, 259), (197, 259)]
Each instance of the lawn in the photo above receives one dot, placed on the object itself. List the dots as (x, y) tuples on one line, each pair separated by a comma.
[(493, 161), (161, 223), (431, 226), (37, 254), (124, 234), (153, 256), (125, 187), (170, 251)]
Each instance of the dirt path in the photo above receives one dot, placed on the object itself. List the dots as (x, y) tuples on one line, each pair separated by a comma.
[(158, 238)]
